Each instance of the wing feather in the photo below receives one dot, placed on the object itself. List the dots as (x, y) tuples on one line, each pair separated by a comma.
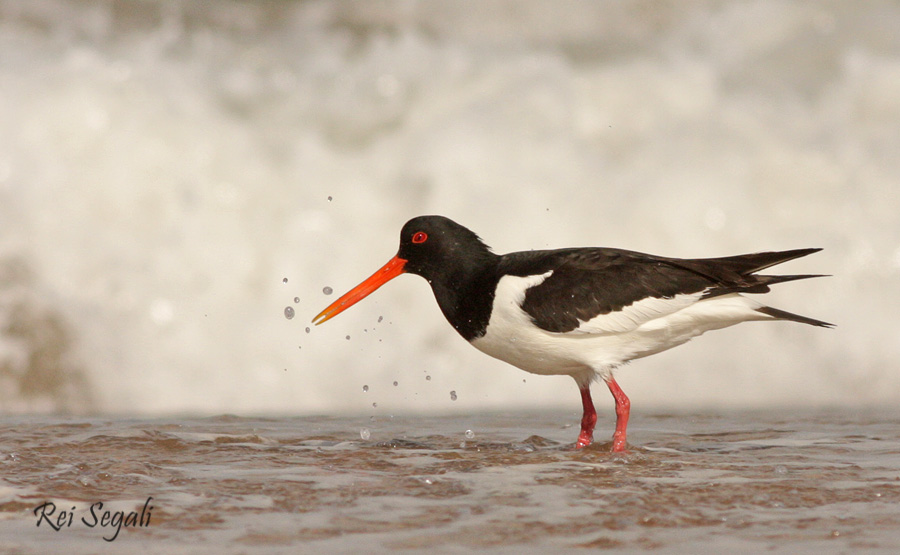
[(605, 290), (608, 290)]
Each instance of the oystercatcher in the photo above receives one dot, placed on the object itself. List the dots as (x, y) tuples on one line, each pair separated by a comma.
[(580, 312)]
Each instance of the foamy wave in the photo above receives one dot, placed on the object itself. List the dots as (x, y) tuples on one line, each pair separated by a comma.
[(166, 165)]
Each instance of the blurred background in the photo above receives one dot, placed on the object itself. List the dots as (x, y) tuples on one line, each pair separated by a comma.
[(174, 174)]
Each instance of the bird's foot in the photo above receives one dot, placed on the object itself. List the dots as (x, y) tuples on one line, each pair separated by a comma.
[(618, 443), (584, 439)]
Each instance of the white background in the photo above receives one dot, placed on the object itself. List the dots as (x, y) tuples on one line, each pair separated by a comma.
[(164, 165)]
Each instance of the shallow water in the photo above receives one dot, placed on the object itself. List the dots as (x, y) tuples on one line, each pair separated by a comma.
[(692, 483)]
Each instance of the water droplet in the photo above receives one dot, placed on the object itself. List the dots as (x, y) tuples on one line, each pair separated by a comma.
[(347, 338), (296, 300), (780, 469), (395, 384), (327, 290), (470, 434), (288, 312), (364, 434), (380, 318), (428, 378), (284, 280), (452, 395), (307, 330), (365, 389), (329, 198)]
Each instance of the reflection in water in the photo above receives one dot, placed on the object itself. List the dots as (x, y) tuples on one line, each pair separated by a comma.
[(742, 481)]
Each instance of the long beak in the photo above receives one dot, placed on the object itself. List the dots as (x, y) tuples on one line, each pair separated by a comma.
[(389, 271)]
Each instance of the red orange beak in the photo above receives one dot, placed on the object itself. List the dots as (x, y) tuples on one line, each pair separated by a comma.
[(389, 271)]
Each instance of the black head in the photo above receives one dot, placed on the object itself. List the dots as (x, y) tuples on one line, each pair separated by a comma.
[(435, 245)]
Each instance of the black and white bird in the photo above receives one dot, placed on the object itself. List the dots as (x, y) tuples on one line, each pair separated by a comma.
[(580, 312)]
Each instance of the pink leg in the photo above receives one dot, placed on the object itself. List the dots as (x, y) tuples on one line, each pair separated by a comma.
[(588, 419), (623, 408)]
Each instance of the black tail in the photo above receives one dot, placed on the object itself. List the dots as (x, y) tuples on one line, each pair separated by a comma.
[(735, 274), (761, 283), (782, 315), (745, 264)]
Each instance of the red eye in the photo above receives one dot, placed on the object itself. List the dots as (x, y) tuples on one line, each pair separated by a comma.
[(420, 237)]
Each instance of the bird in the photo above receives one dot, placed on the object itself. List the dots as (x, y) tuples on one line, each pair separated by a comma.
[(581, 312)]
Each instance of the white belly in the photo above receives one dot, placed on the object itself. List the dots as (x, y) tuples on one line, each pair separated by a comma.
[(596, 347)]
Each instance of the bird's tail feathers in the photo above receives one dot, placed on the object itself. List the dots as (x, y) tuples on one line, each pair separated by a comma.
[(784, 315), (745, 264)]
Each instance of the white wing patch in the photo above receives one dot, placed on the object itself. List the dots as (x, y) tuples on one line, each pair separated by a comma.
[(637, 314)]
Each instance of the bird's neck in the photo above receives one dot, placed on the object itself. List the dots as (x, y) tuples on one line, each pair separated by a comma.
[(465, 293)]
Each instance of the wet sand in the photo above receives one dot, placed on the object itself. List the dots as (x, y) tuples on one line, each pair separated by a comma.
[(773, 481)]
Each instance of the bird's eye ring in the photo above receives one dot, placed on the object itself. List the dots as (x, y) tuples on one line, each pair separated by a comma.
[(419, 237)]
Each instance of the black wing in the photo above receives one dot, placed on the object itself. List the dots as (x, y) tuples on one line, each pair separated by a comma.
[(591, 282)]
